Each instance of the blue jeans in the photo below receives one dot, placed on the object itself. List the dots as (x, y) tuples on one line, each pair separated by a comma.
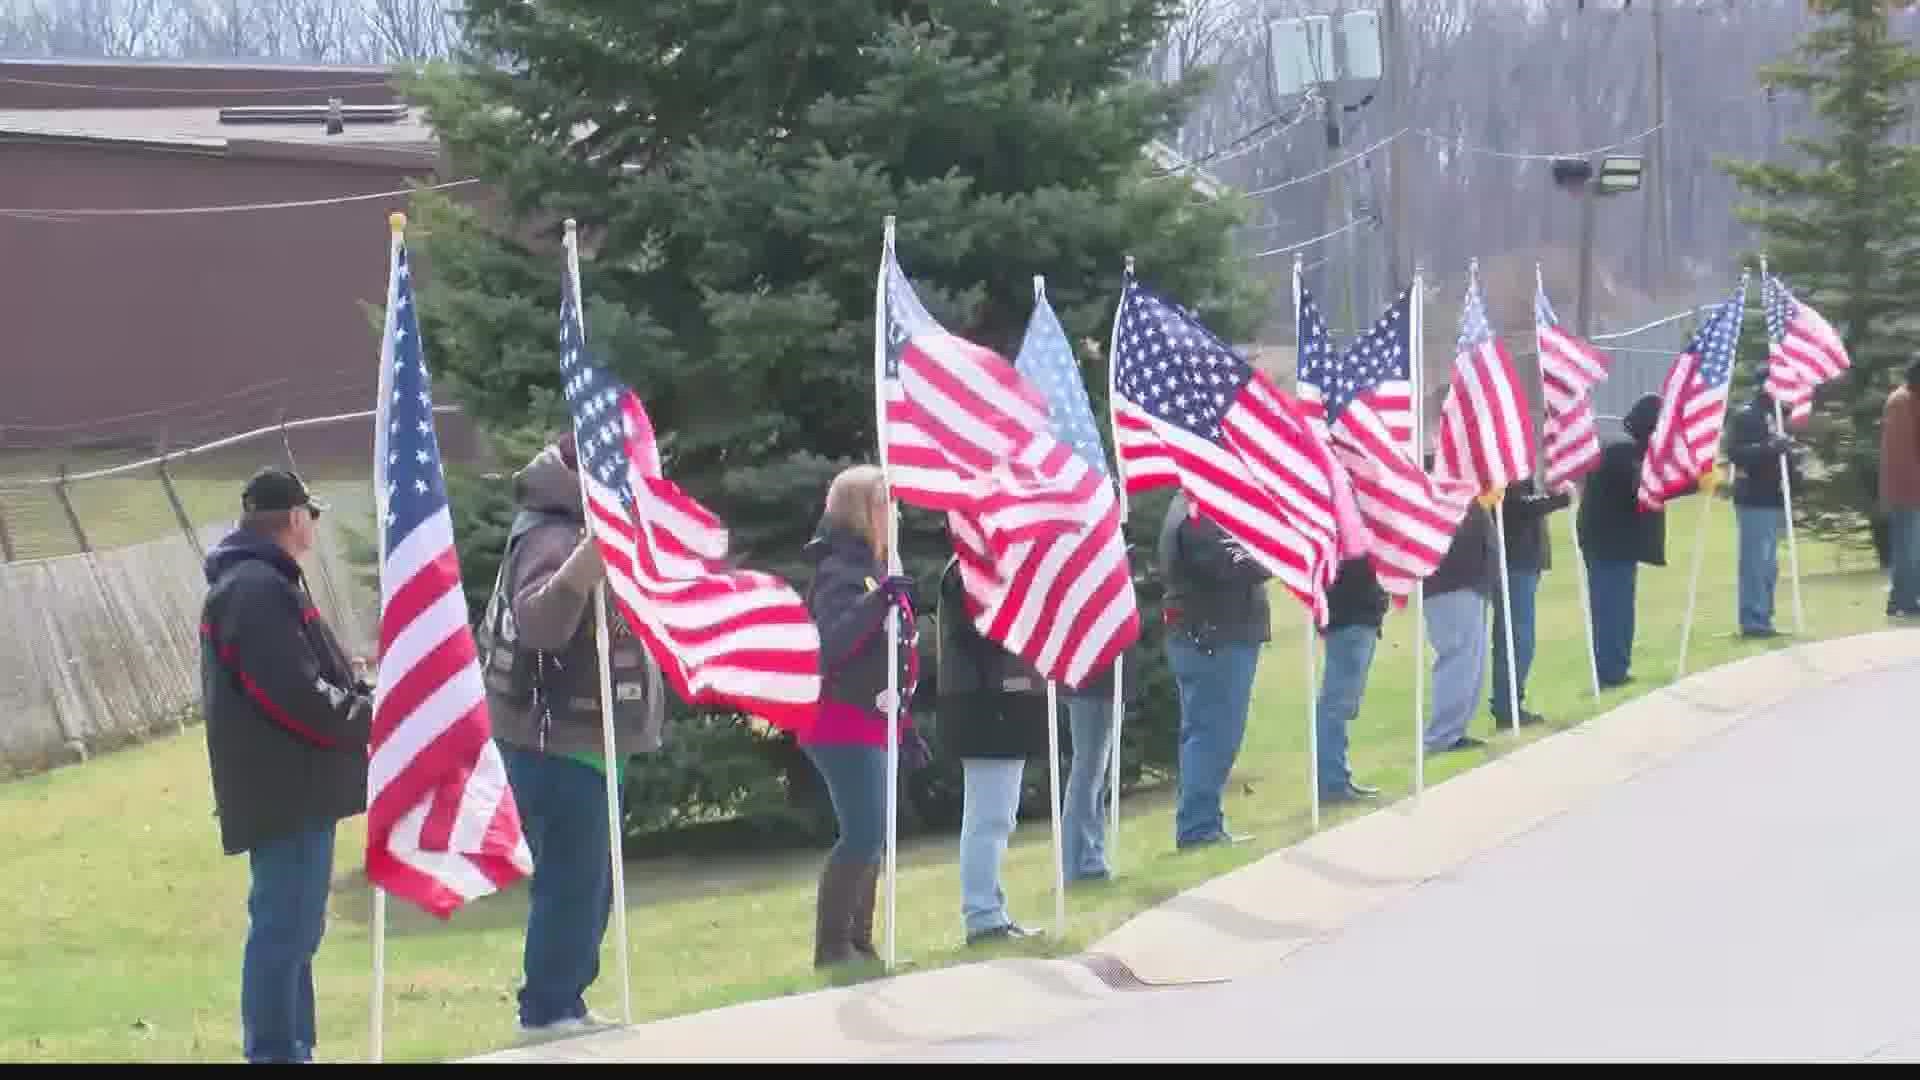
[(856, 779), (1083, 820), (1216, 687), (1349, 657), (1524, 585), (563, 812), (1903, 597), (1610, 585), (286, 916), (990, 810), (1760, 529), (1457, 629)]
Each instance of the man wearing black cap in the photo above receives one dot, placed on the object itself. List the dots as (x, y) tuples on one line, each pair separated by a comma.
[(287, 727)]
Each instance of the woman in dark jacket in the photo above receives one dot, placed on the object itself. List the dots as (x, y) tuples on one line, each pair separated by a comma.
[(849, 599), (993, 716)]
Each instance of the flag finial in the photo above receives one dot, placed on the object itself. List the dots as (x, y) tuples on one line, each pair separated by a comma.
[(1129, 266), (1039, 287)]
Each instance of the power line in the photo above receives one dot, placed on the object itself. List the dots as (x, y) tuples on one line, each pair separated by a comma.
[(116, 89), (1304, 244), (49, 213), (1533, 156)]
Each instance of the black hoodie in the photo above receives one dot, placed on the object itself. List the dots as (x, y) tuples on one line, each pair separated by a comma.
[(1612, 526), (287, 723)]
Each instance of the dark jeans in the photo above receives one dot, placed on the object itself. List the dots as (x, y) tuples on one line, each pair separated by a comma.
[(1610, 585), (1524, 584), (563, 812), (856, 779), (1349, 657), (1216, 687), (287, 914), (1903, 592)]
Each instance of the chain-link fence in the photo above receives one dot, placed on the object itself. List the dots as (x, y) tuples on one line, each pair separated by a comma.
[(101, 576)]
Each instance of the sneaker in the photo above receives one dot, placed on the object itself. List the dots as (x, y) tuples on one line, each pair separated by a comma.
[(1004, 932), (561, 1029)]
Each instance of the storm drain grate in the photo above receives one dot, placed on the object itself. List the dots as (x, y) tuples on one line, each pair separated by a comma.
[(1115, 973)]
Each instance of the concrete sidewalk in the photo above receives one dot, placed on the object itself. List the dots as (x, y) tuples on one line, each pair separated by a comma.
[(1244, 923)]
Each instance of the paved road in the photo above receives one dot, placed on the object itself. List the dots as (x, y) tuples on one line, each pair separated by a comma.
[(1755, 899)]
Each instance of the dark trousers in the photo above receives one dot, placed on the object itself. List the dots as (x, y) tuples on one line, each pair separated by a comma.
[(1610, 585), (563, 812), (286, 916)]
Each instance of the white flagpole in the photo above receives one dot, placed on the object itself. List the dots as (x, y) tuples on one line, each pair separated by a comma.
[(608, 745), (894, 705), (1416, 368), (1053, 789), (1786, 494), (1119, 662), (1313, 703), (1693, 586), (1573, 518), (397, 222), (1506, 607)]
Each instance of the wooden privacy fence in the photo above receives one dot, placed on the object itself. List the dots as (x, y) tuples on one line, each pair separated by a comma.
[(99, 644)]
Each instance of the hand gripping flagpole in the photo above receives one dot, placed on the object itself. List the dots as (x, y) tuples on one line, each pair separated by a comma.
[(1119, 662), (894, 705), (615, 848), (397, 222), (1786, 493), (1573, 519), (1053, 750), (1313, 699), (1416, 368)]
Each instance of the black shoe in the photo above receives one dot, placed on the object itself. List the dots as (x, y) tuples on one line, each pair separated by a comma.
[(1527, 719), (1763, 632), (1006, 932), (1467, 742), (1351, 793)]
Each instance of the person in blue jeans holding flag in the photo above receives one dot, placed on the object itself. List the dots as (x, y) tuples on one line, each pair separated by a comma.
[(1083, 818), (1217, 621), (1524, 511), (1755, 445), (1356, 607)]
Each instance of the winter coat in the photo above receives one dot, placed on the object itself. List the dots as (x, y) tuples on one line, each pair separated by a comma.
[(541, 618), (1755, 453), (1356, 598), (1471, 561), (1612, 526), (1524, 512), (287, 723), (850, 612), (991, 703), (1216, 591)]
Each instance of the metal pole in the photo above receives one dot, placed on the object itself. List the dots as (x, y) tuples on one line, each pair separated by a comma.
[(893, 611), (1399, 235), (1053, 807), (1663, 249), (179, 509), (1417, 369), (6, 540), (1583, 316)]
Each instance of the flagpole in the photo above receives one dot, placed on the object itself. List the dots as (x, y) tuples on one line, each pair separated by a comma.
[(1699, 556), (1786, 491), (1416, 369), (397, 223), (893, 611), (1506, 608), (1573, 519), (1053, 807), (603, 644), (1119, 672), (1313, 702)]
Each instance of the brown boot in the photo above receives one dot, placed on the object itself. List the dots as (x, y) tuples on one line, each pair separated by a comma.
[(833, 912), (863, 897)]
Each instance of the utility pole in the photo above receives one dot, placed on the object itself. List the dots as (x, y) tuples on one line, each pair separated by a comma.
[(1399, 94), (1657, 216)]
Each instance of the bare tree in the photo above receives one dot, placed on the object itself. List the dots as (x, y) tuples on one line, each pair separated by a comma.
[(413, 29)]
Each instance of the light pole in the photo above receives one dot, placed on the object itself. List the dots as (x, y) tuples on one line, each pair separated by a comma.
[(1615, 175)]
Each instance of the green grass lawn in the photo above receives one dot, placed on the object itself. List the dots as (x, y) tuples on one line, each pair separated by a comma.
[(126, 923)]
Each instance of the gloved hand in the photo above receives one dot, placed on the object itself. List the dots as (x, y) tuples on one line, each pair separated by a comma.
[(1779, 444)]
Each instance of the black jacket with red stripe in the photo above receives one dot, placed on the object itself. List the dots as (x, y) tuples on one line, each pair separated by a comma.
[(287, 723)]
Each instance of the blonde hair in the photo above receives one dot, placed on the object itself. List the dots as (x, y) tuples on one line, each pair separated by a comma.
[(851, 499)]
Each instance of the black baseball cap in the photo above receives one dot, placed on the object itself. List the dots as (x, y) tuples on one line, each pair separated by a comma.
[(278, 489)]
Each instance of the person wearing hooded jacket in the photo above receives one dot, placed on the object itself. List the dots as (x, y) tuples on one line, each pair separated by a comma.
[(540, 658), (1755, 445), (849, 598), (287, 725), (1616, 536)]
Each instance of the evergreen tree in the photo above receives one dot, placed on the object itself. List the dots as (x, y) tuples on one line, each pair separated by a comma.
[(1842, 230), (730, 166)]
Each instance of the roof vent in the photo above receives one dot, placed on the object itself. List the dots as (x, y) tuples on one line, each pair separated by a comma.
[(335, 116)]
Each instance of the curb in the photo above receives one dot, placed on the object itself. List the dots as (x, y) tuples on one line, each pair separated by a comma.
[(1250, 919)]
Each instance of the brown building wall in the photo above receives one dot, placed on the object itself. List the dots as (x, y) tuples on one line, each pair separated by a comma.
[(31, 85)]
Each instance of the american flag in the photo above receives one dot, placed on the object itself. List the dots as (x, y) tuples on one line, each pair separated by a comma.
[(1570, 368), (1804, 351), (1693, 406), (1363, 399), (442, 827), (1191, 411), (1036, 525), (1486, 432), (721, 635)]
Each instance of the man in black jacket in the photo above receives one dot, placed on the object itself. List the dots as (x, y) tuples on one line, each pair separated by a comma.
[(1217, 620), (1523, 511), (1356, 606), (1755, 445), (287, 728)]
